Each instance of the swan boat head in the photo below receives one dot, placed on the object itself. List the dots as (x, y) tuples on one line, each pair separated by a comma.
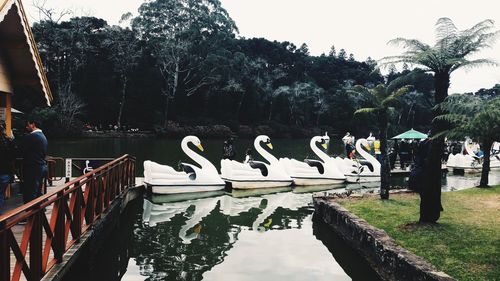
[(323, 140), (265, 139), (194, 140)]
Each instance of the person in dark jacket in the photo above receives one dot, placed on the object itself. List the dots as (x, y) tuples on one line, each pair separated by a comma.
[(34, 150), (7, 157), (228, 151), (416, 179)]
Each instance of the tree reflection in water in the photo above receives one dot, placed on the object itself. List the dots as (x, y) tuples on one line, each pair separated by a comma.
[(171, 251), (241, 235)]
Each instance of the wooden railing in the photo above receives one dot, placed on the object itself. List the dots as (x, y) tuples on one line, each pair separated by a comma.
[(58, 219)]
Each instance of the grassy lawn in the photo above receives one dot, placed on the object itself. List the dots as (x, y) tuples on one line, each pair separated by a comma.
[(466, 242)]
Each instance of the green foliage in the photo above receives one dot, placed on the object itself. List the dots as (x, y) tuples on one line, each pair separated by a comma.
[(452, 49), (470, 116), (181, 61), (381, 98)]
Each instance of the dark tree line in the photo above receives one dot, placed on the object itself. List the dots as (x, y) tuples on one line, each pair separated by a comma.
[(182, 62)]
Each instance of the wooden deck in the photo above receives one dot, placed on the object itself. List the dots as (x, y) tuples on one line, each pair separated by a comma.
[(406, 173), (35, 236)]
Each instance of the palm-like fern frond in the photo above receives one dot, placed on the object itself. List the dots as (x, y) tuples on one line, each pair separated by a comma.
[(451, 50), (470, 116), (393, 98), (367, 110)]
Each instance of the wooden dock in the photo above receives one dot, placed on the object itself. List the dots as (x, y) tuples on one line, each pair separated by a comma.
[(35, 237), (406, 173)]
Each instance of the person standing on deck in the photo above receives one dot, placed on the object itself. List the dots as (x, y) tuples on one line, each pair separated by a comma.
[(34, 149), (7, 157)]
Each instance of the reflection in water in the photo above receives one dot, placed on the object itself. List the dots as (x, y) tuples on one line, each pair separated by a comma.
[(244, 235), (256, 234), (457, 182), (109, 260), (224, 237), (352, 263)]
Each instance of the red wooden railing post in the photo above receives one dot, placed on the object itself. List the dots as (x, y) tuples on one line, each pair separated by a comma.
[(90, 209), (102, 186), (36, 246), (4, 256), (59, 240), (77, 213)]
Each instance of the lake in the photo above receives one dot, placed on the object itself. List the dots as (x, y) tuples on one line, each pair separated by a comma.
[(266, 234)]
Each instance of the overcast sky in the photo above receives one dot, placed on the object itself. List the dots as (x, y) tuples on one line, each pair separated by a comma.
[(361, 27)]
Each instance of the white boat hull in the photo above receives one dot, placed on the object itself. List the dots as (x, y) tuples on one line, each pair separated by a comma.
[(174, 189), (302, 181), (252, 184)]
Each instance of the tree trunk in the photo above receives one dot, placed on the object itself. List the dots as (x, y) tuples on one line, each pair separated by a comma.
[(238, 108), (122, 101), (385, 169), (165, 112), (270, 110), (486, 146), (172, 94), (430, 196)]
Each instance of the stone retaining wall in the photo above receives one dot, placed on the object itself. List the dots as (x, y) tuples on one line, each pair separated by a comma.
[(389, 260)]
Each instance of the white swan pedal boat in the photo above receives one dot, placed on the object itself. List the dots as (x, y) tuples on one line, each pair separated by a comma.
[(164, 179), (256, 174), (314, 172), (355, 171), (470, 163)]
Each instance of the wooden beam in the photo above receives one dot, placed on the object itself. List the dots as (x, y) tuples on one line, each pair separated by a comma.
[(14, 44), (8, 115), (26, 81)]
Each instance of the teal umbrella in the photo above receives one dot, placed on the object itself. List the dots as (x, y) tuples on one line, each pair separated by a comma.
[(411, 134)]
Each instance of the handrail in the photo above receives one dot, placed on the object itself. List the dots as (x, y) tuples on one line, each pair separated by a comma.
[(75, 207)]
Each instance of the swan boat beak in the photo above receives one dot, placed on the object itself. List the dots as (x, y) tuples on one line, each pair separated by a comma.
[(270, 145), (324, 145), (367, 147), (200, 147)]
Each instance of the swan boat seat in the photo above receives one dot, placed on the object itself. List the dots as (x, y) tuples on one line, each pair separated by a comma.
[(367, 163), (259, 165), (188, 170), (316, 164)]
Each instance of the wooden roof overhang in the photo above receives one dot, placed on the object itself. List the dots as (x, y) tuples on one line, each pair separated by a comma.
[(18, 48)]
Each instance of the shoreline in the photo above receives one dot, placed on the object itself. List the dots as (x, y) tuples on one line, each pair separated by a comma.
[(213, 131)]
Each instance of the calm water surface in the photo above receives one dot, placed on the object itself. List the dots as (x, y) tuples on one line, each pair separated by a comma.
[(240, 235)]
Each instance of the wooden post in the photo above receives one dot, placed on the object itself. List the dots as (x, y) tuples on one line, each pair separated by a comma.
[(35, 251), (4, 256), (77, 213), (59, 239), (8, 115)]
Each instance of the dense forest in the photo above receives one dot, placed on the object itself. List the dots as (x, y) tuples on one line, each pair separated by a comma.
[(181, 63)]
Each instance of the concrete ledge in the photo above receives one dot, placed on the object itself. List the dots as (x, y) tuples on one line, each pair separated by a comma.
[(389, 260), (93, 239)]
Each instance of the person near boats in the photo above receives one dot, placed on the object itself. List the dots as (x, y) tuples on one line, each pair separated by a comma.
[(376, 148), (404, 153), (228, 150), (495, 149), (350, 150), (346, 138), (417, 172), (8, 155), (248, 156)]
